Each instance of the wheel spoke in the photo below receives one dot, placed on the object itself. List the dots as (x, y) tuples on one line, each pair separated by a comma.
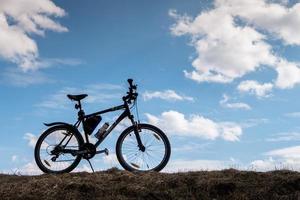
[(50, 143), (152, 157)]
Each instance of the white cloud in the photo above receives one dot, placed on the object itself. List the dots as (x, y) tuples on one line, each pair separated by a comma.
[(181, 165), (14, 158), (28, 169), (97, 93), (215, 38), (265, 165), (176, 123), (231, 40), (31, 138), (285, 158), (18, 20), (169, 95), (275, 18), (288, 74), (224, 103), (291, 154), (253, 87)]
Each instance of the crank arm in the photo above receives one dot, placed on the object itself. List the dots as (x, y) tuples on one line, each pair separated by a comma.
[(103, 151)]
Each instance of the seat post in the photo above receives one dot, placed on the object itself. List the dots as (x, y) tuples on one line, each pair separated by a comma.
[(80, 112)]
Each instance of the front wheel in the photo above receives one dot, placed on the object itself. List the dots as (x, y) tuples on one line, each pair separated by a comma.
[(154, 157)]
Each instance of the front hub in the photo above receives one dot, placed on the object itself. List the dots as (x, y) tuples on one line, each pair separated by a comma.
[(142, 148)]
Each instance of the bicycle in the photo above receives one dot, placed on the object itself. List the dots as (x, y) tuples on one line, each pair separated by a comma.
[(140, 147)]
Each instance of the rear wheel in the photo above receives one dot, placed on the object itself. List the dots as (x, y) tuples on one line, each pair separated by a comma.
[(154, 157), (48, 150)]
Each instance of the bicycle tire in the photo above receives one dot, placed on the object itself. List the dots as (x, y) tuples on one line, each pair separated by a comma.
[(157, 131), (37, 149)]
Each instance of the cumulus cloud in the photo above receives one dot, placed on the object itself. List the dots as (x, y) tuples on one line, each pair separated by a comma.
[(176, 123), (168, 95), (231, 40), (239, 105), (288, 74), (275, 18), (253, 87), (215, 38), (19, 19)]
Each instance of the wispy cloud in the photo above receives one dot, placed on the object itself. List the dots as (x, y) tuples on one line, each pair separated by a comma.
[(98, 93), (254, 122), (285, 137), (191, 147), (31, 139), (168, 95), (238, 105), (19, 78), (181, 165), (293, 114)]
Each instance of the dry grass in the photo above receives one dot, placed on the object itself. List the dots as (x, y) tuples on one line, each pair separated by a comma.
[(115, 184)]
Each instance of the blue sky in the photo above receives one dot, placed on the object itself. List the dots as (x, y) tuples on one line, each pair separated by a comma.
[(220, 79)]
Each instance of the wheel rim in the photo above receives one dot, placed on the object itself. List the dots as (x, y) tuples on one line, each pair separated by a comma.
[(154, 154), (63, 160)]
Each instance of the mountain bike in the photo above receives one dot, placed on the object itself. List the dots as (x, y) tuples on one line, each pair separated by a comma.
[(140, 147)]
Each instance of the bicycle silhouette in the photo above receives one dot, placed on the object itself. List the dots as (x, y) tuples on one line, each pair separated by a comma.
[(140, 147)]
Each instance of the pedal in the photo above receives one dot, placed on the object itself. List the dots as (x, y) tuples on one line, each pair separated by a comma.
[(106, 151), (103, 151)]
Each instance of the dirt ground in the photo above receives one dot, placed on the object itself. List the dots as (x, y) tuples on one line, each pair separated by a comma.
[(116, 184)]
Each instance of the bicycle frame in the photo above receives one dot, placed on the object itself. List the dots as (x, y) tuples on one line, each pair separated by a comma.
[(126, 113)]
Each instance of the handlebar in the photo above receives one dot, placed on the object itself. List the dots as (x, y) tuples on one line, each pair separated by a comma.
[(132, 94)]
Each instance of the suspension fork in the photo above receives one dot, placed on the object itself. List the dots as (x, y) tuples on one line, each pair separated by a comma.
[(136, 132)]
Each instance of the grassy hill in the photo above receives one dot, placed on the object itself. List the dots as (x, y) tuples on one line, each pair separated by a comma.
[(115, 184)]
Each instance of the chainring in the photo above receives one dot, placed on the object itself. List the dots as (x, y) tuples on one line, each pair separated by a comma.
[(91, 150)]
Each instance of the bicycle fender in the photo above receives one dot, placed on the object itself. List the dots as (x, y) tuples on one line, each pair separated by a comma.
[(57, 123), (70, 126)]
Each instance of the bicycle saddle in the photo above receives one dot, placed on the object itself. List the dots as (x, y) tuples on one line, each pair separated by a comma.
[(77, 97)]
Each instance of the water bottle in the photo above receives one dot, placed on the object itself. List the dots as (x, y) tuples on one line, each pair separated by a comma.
[(102, 130)]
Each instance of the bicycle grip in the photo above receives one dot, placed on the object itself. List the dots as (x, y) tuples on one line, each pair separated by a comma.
[(130, 82)]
